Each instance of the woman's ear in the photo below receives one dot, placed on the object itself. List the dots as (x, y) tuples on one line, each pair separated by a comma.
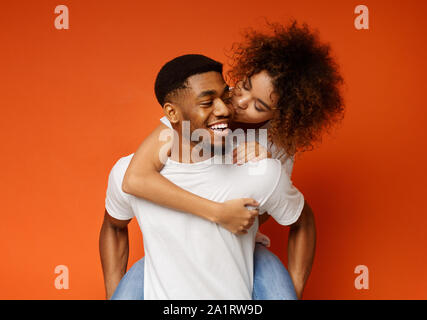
[(171, 112)]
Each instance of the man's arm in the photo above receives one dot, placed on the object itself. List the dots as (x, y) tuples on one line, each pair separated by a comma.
[(143, 179), (301, 248), (114, 251)]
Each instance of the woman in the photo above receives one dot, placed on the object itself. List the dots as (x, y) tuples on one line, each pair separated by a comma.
[(286, 82)]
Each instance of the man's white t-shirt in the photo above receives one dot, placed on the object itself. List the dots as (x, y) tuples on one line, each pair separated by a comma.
[(188, 257)]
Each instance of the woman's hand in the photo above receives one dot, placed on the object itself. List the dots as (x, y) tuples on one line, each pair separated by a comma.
[(234, 216), (249, 151)]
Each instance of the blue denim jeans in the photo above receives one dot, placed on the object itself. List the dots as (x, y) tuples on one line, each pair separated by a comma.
[(271, 279)]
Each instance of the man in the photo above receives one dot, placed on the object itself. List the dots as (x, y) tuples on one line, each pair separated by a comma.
[(188, 257)]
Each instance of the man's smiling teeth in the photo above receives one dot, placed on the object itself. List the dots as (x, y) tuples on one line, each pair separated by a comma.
[(220, 129), (219, 126)]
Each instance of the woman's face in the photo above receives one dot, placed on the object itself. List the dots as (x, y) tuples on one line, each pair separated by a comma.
[(254, 99)]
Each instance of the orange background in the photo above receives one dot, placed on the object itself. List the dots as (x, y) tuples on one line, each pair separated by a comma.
[(74, 101)]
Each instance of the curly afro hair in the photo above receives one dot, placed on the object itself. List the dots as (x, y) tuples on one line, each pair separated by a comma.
[(305, 77)]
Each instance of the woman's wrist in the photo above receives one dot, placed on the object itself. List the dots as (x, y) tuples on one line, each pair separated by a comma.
[(213, 211)]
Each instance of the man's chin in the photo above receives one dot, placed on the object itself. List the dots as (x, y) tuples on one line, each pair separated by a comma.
[(217, 147)]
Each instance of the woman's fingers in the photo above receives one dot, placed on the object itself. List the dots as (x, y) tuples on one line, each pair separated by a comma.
[(242, 230), (251, 156), (254, 213), (249, 224), (250, 202), (248, 151), (243, 157), (251, 220)]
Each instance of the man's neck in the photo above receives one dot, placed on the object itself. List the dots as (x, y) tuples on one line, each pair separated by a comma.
[(182, 151)]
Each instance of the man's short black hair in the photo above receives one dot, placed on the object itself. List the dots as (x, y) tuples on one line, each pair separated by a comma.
[(174, 74)]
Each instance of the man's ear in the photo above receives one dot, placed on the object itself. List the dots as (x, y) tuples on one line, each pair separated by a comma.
[(171, 112)]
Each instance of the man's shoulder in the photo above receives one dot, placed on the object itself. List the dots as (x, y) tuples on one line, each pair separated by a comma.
[(265, 172), (117, 202), (264, 167), (273, 164), (121, 165)]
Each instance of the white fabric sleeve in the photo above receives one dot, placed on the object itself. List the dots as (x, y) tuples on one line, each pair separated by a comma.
[(117, 202), (288, 165), (285, 202), (166, 122), (287, 162)]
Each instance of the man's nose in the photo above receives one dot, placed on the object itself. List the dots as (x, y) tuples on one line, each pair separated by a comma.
[(221, 109)]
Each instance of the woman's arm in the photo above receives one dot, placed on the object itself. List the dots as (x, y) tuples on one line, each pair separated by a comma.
[(250, 151), (143, 179)]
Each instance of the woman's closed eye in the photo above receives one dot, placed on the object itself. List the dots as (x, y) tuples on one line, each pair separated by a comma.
[(258, 109)]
